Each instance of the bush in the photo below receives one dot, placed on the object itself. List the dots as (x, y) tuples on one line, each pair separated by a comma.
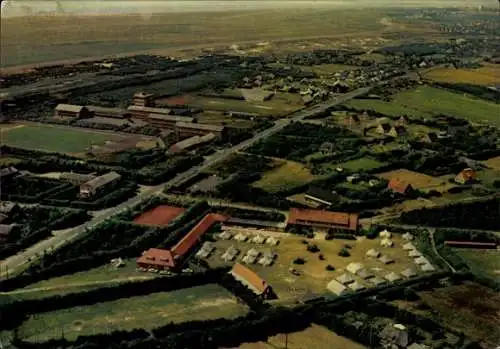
[(313, 248), (321, 257), (299, 260), (330, 267), (344, 252)]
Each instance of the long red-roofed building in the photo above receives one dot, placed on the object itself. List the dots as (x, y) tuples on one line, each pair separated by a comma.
[(323, 219), (251, 280), (170, 259)]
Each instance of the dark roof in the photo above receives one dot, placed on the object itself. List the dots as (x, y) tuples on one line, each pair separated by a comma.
[(341, 219), (151, 110), (196, 126), (321, 194), (385, 127), (100, 181), (8, 171)]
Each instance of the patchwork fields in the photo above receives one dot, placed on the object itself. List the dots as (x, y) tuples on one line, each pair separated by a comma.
[(487, 75)]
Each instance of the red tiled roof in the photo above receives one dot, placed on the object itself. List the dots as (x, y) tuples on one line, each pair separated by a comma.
[(468, 174), (341, 219), (249, 278), (398, 186), (157, 257), (192, 237)]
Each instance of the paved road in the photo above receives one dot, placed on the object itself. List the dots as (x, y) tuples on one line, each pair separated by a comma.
[(16, 263)]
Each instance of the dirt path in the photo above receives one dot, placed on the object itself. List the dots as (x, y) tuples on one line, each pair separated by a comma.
[(78, 284)]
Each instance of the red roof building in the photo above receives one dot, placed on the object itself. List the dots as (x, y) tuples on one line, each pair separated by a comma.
[(323, 219), (157, 259), (400, 187), (471, 244), (251, 280), (466, 176)]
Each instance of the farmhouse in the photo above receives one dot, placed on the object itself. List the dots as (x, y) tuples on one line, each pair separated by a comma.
[(189, 129), (143, 99), (115, 113), (251, 280), (76, 178), (97, 184), (72, 111), (190, 143), (156, 259), (323, 219), (466, 176), (400, 187), (321, 196)]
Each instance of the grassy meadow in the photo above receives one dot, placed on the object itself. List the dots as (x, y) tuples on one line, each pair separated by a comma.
[(285, 176), (147, 312), (487, 75)]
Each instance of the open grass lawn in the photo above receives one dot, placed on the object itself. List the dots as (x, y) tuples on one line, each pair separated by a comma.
[(147, 312), (470, 307), (487, 75), (417, 180), (315, 336), (54, 138), (488, 261), (287, 175), (362, 164), (488, 176), (494, 163), (314, 276), (426, 101)]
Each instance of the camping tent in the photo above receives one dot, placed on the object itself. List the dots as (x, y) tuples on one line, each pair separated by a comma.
[(373, 253), (353, 268), (392, 276)]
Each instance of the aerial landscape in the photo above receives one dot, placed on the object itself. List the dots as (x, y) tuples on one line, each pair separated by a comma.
[(250, 174)]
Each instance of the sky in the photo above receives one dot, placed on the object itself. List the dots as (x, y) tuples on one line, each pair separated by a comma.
[(24, 7)]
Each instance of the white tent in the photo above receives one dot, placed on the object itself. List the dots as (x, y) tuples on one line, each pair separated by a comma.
[(345, 279), (386, 242), (408, 246), (225, 235), (373, 253), (241, 237), (385, 259), (364, 274), (258, 239), (408, 273), (377, 280), (427, 267), (407, 237), (421, 260), (385, 234), (391, 277), (353, 268), (272, 241), (414, 254), (336, 287), (356, 286)]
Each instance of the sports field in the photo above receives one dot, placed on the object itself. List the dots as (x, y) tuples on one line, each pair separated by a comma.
[(426, 101), (159, 216), (53, 138), (487, 75), (483, 261), (147, 312)]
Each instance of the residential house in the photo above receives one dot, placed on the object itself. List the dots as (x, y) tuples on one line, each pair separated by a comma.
[(398, 131), (251, 280), (336, 287), (156, 258), (400, 187), (191, 143), (72, 111), (323, 219), (188, 129), (76, 178), (97, 184), (466, 176), (143, 99)]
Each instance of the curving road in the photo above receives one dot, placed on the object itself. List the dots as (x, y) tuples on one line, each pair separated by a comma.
[(17, 263)]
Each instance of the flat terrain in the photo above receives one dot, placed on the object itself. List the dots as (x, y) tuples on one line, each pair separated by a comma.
[(361, 164), (54, 138), (485, 261), (159, 216), (494, 163), (417, 180), (285, 176), (314, 276), (426, 101), (147, 312), (471, 308), (315, 336), (58, 38), (487, 75)]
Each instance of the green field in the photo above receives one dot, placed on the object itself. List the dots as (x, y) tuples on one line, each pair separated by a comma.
[(147, 312), (486, 261), (53, 138), (355, 165), (286, 176), (425, 101), (7, 161)]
